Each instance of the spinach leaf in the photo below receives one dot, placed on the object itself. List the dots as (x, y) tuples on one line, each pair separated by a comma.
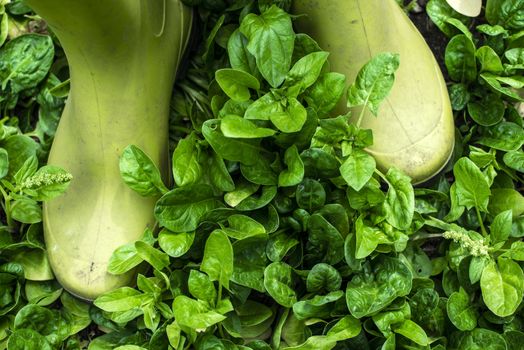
[(373, 290), (270, 40), (357, 169), (279, 283), (460, 59), (323, 277), (294, 174), (236, 83), (218, 258), (472, 187), (186, 166), (502, 285), (25, 61), (140, 173), (399, 205), (461, 312), (180, 209), (374, 81)]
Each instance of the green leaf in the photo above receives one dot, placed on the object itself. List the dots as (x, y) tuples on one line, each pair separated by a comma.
[(482, 339), (258, 201), (279, 283), (28, 168), (494, 83), (218, 258), (399, 205), (386, 319), (325, 243), (487, 111), (323, 277), (42, 293), (294, 174), (76, 313), (326, 92), (121, 299), (242, 227), (27, 339), (194, 314), (315, 342), (489, 60), (367, 239), (357, 169), (502, 286), (239, 56), (4, 163), (159, 260), (374, 81), (346, 328), (271, 40), (461, 312), (26, 211), (459, 96), (471, 185), (241, 150), (175, 244), (501, 227), (320, 306), (292, 118), (503, 199), (412, 331), (249, 263), (508, 13), (219, 177), (180, 209), (201, 287), (310, 195), (515, 160), (504, 136), (306, 71), (261, 173), (460, 59), (236, 83), (372, 291), (20, 148), (440, 12), (25, 61), (123, 259), (185, 161), (265, 106), (140, 173), (238, 127), (35, 263)]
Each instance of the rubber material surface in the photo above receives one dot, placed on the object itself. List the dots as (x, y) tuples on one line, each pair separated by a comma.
[(414, 130), (123, 57)]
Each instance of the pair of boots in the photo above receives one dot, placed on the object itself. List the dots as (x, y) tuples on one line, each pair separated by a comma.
[(123, 59)]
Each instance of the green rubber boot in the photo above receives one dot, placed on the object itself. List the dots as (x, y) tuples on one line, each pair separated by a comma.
[(123, 57), (414, 129)]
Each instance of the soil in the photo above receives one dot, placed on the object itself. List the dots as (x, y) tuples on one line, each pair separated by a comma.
[(436, 40)]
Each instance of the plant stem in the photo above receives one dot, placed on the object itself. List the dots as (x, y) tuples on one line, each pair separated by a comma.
[(424, 235), (360, 117), (181, 129), (482, 228), (7, 201), (382, 176)]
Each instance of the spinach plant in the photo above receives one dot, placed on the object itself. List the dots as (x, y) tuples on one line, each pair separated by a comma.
[(277, 230)]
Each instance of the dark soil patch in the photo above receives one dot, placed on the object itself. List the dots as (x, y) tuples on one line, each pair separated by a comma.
[(436, 40)]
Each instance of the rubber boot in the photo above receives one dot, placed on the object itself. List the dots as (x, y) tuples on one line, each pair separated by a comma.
[(414, 129), (123, 57)]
